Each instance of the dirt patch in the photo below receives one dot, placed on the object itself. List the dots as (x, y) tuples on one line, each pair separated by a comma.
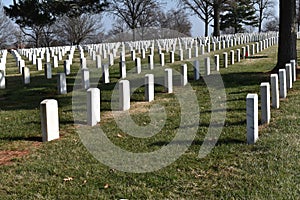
[(6, 157)]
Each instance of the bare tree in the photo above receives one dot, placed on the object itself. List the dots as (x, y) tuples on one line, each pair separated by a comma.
[(272, 25), (176, 20), (7, 29), (78, 29), (265, 9), (135, 13), (202, 8)]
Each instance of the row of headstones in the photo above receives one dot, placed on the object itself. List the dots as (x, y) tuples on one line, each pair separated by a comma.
[(170, 45), (25, 71), (229, 40), (257, 47), (105, 69), (280, 84), (49, 107)]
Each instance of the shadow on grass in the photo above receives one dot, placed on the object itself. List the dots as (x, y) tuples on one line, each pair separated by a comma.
[(196, 142)]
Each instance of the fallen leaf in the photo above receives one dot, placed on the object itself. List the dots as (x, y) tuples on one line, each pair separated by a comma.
[(68, 179)]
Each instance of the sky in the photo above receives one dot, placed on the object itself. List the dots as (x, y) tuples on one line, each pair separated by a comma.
[(197, 24)]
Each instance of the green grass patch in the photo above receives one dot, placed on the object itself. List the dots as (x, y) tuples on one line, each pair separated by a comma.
[(64, 169)]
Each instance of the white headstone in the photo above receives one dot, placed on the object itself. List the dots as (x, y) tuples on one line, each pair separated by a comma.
[(172, 57), (282, 80), (124, 93), (26, 75), (83, 63), (217, 63), (122, 66), (98, 62), (275, 91), (111, 59), (181, 55), (138, 66), (238, 55), (2, 79), (48, 71), (225, 60), (184, 75), (289, 75), (196, 70), (294, 70), (85, 79), (265, 103), (168, 80), (62, 83), (252, 118), (39, 65), (105, 73), (162, 59), (55, 61), (207, 66), (67, 67), (93, 106), (232, 57), (49, 120), (149, 87), (133, 55)]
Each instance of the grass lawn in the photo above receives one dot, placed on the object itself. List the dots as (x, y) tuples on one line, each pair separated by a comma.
[(64, 168)]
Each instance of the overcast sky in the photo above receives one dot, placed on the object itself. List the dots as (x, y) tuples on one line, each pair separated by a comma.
[(197, 27)]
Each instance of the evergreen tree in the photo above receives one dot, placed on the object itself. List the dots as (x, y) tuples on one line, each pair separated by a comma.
[(238, 14)]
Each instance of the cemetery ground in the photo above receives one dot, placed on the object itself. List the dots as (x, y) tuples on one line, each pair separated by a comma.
[(64, 169)]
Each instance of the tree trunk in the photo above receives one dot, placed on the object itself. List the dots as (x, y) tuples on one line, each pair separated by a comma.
[(287, 33), (260, 20), (216, 7), (206, 27)]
